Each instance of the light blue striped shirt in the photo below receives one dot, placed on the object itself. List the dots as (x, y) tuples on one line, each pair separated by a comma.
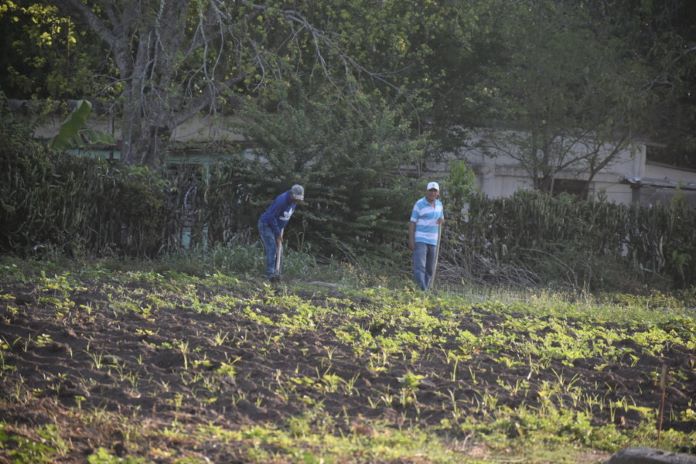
[(426, 216)]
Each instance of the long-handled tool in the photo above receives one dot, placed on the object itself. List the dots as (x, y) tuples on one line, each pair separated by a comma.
[(437, 255), (279, 257)]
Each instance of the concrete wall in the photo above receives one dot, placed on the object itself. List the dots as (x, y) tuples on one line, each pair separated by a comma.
[(206, 128), (669, 173), (662, 182), (500, 175), (628, 179), (202, 128)]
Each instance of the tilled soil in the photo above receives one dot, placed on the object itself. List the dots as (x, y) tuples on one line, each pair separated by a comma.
[(196, 368)]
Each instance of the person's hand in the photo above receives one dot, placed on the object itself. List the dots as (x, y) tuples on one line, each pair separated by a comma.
[(411, 245)]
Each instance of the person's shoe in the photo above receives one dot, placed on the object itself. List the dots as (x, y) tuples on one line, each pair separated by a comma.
[(274, 279)]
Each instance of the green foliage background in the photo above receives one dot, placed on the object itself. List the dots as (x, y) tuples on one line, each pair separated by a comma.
[(341, 109), (592, 245), (356, 206), (74, 205)]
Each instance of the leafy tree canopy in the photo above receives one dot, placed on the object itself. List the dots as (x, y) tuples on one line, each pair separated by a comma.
[(602, 65), (46, 55)]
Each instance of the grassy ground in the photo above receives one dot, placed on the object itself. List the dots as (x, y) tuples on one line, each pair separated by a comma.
[(195, 359)]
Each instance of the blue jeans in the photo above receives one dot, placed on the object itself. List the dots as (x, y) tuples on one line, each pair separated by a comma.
[(268, 240), (423, 264)]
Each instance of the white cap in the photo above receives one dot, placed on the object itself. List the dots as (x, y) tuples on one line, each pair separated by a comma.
[(433, 185), (297, 192)]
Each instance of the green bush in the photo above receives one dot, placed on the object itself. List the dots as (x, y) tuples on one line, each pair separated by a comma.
[(55, 201), (590, 245)]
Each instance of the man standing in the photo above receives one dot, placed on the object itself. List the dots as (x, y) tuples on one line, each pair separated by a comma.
[(271, 225), (423, 234)]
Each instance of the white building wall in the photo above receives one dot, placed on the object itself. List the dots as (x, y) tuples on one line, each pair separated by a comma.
[(615, 192), (201, 128), (669, 174), (501, 175), (497, 176)]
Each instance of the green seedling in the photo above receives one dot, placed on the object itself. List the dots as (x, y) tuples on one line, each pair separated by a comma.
[(183, 347), (97, 359)]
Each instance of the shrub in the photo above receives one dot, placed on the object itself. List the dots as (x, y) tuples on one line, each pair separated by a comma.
[(57, 201), (589, 245)]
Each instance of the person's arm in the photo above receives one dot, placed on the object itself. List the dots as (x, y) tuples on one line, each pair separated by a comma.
[(412, 228), (276, 208), (288, 201), (411, 235), (277, 231)]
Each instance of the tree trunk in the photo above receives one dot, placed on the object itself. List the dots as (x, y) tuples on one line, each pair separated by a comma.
[(131, 118), (145, 40)]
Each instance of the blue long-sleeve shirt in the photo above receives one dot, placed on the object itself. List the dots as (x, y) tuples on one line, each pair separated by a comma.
[(279, 212)]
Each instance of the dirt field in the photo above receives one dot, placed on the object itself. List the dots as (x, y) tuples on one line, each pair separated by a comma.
[(115, 364)]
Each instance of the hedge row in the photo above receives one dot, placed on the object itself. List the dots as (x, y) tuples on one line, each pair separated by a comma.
[(591, 244), (83, 206)]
